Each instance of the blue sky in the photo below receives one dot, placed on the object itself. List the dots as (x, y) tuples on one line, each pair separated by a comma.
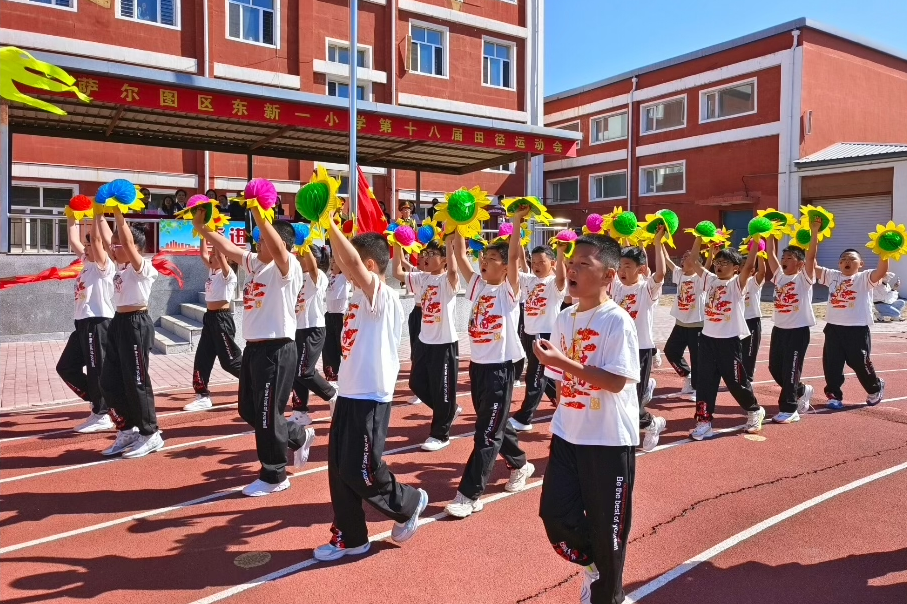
[(587, 40)]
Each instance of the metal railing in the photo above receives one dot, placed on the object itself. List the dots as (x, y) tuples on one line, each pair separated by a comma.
[(48, 233)]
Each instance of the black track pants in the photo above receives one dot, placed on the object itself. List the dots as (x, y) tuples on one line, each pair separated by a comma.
[(86, 349), (536, 382), (433, 379), (124, 378), (785, 362), (684, 338), (750, 346), (216, 342), (722, 359), (331, 355), (309, 343), (851, 345), (414, 322), (646, 357)]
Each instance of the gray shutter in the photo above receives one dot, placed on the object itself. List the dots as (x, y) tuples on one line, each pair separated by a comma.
[(854, 219), (234, 20), (267, 36), (127, 9)]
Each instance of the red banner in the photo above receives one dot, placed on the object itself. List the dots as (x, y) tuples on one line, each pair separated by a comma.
[(159, 262)]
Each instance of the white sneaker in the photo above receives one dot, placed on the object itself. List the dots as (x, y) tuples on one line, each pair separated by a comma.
[(301, 455), (200, 403), (874, 399), (144, 445), (649, 393), (125, 439), (701, 431), (301, 418), (657, 360), (518, 383), (687, 386), (433, 444), (520, 427), (786, 418), (653, 432), (329, 551), (332, 403), (804, 402), (260, 488), (415, 401), (590, 576), (462, 506), (333, 385), (754, 421), (518, 478), (458, 412), (404, 531), (96, 422)]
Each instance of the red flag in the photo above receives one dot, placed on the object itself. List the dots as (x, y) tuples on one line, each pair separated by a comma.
[(159, 262), (371, 218)]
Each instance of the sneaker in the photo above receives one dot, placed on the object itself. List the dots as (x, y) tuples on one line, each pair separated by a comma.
[(458, 412), (96, 422), (125, 439), (518, 383), (520, 427), (260, 488), (403, 531), (590, 576), (333, 385), (688, 386), (754, 421), (433, 444), (518, 478), (301, 418), (653, 432), (301, 455), (144, 445), (200, 403), (874, 399), (657, 360), (702, 431), (462, 506), (332, 403), (329, 551), (786, 418), (835, 404), (415, 401), (803, 403), (649, 393)]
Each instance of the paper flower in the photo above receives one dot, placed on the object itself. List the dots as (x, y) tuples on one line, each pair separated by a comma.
[(662, 217), (256, 235), (199, 202), (304, 237), (595, 225), (463, 211), (405, 237), (260, 192), (317, 201), (748, 244), (828, 219), (475, 246), (624, 227), (566, 239), (802, 235), (786, 222), (537, 209), (79, 207), (707, 231), (350, 227), (762, 227), (725, 234), (220, 220), (428, 232), (122, 194), (889, 241)]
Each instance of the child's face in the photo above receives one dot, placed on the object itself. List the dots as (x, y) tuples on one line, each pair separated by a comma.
[(493, 267), (431, 261), (850, 264), (335, 268), (405, 212), (586, 275), (541, 265), (629, 272), (790, 264), (725, 269), (688, 263), (119, 252)]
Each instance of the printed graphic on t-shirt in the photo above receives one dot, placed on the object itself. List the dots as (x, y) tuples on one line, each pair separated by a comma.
[(431, 305), (485, 327), (209, 284), (536, 302), (844, 295), (572, 388), (300, 302), (348, 337), (629, 304), (80, 293), (717, 309), (786, 298), (117, 283), (686, 296), (253, 294)]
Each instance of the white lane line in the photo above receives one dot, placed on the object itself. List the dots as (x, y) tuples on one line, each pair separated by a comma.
[(730, 542), (822, 377)]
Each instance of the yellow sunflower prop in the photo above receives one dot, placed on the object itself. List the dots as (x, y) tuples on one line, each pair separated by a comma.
[(801, 235), (122, 194), (786, 223), (429, 232), (828, 219), (745, 248), (567, 240), (707, 231), (662, 217), (889, 241), (537, 209), (405, 237), (79, 208), (463, 211), (260, 192), (625, 228), (317, 201)]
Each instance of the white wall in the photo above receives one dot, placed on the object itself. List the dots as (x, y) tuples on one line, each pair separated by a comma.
[(899, 212)]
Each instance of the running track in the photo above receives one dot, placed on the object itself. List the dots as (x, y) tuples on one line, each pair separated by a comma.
[(812, 512)]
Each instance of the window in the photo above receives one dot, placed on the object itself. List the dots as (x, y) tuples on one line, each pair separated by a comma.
[(608, 186), (426, 53), (252, 21), (736, 99), (669, 178), (497, 65), (162, 12), (664, 115), (563, 191), (572, 127), (52, 198), (338, 53), (342, 89), (608, 128), (503, 169), (70, 4)]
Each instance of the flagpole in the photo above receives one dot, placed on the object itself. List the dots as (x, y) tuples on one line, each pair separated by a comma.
[(354, 89)]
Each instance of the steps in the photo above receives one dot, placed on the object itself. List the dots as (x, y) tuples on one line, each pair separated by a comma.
[(180, 333)]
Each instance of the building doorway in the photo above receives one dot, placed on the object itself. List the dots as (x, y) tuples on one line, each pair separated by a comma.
[(738, 221)]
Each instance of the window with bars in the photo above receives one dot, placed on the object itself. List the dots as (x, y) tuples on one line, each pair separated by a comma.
[(609, 186), (563, 191), (342, 90), (252, 21), (497, 65), (56, 3), (340, 53), (426, 51), (162, 12)]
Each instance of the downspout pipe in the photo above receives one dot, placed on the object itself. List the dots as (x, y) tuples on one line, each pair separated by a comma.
[(630, 144)]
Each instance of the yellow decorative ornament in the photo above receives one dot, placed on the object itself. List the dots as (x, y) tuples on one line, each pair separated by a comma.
[(828, 219), (748, 242), (318, 201), (79, 208), (537, 208), (463, 211), (707, 232), (122, 194), (19, 67), (405, 237), (889, 241), (785, 222), (624, 227)]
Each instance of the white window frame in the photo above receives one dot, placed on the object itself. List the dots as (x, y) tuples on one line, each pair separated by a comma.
[(445, 44), (642, 178), (550, 191), (328, 42), (41, 185), (511, 169), (605, 116), (73, 8), (366, 87), (177, 7), (642, 114), (703, 93), (513, 69), (276, 43), (592, 178), (579, 129)]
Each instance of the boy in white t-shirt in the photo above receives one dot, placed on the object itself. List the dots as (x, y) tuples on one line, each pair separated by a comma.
[(753, 316), (587, 493), (86, 346), (371, 343), (638, 295), (494, 293), (687, 312), (273, 281), (793, 316), (849, 315), (433, 376), (338, 298), (311, 304), (720, 349)]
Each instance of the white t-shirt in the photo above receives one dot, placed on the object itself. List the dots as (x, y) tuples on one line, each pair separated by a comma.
[(338, 294), (94, 290), (793, 301), (688, 305), (753, 299), (131, 288), (603, 337), (269, 299), (724, 308), (542, 302), (439, 303), (639, 300), (311, 302), (849, 298), (219, 288), (493, 322), (370, 344)]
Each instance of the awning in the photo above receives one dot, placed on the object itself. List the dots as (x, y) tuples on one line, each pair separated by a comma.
[(167, 109), (846, 153)]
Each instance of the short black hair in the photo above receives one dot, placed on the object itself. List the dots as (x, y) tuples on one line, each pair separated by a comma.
[(434, 244), (322, 260), (850, 250), (731, 255), (374, 247), (607, 250), (178, 191), (287, 233), (796, 252), (503, 250), (138, 236), (636, 254), (211, 191), (544, 249)]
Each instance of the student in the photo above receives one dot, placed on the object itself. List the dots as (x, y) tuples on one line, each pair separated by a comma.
[(273, 280), (86, 346), (218, 328), (311, 304), (639, 295), (753, 316), (587, 493), (125, 382), (494, 294), (687, 312), (793, 316), (338, 296), (414, 324), (720, 349), (849, 315), (433, 376), (543, 290), (371, 341)]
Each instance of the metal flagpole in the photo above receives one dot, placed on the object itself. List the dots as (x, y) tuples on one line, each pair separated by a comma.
[(354, 89)]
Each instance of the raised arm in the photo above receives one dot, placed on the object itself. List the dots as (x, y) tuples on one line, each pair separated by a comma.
[(659, 275), (309, 265), (203, 253), (670, 267), (397, 264), (271, 238), (101, 236), (749, 267), (879, 273), (221, 244), (350, 261), (516, 259), (760, 269), (560, 268), (459, 252), (452, 275), (811, 268), (695, 252), (124, 234), (75, 237), (772, 250)]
